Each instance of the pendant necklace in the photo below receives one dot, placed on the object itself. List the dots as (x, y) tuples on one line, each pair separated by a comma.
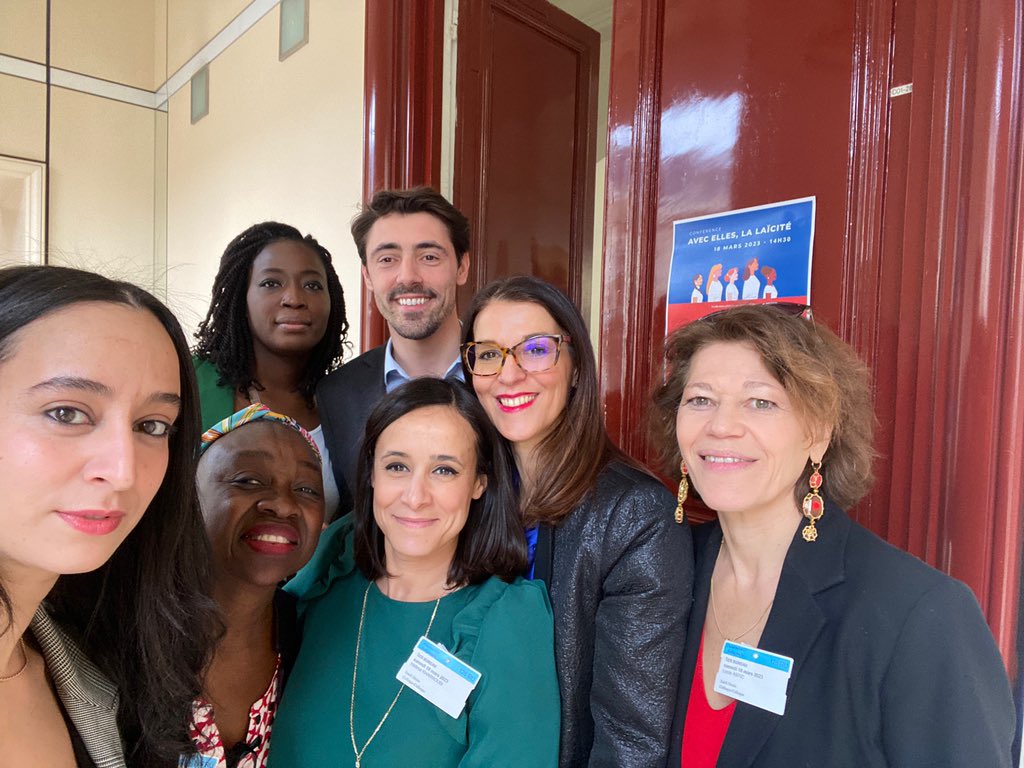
[(355, 670), (714, 613), (24, 663)]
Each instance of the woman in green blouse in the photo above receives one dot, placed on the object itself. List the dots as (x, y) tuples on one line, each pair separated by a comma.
[(438, 547)]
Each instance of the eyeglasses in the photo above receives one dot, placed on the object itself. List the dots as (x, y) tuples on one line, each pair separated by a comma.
[(533, 354)]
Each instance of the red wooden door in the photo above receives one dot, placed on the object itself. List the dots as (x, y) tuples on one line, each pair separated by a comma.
[(918, 236), (525, 140)]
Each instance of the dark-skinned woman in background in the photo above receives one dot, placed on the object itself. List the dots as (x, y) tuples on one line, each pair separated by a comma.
[(275, 327)]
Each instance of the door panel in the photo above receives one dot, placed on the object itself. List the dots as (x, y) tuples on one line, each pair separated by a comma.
[(525, 141)]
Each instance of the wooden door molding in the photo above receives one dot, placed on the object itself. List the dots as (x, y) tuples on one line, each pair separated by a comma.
[(628, 354), (940, 313), (402, 92)]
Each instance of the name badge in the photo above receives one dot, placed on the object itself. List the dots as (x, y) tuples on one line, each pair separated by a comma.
[(197, 761), (438, 677), (754, 676)]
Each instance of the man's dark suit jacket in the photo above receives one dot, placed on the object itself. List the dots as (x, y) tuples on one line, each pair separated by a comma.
[(893, 662), (345, 399)]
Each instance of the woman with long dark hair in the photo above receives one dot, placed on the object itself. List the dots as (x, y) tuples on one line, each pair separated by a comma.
[(275, 327), (104, 622), (436, 601), (601, 528)]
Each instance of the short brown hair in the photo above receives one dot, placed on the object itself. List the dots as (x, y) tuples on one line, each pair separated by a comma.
[(407, 201), (822, 374)]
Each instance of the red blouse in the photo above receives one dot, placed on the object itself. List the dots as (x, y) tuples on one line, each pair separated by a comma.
[(704, 728)]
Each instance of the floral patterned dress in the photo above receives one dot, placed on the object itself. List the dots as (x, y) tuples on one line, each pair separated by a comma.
[(250, 753)]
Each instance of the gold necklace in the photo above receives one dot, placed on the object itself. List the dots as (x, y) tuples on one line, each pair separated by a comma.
[(714, 610), (24, 663), (355, 669)]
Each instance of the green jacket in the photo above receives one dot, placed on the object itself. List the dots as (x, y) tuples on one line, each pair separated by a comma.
[(215, 403)]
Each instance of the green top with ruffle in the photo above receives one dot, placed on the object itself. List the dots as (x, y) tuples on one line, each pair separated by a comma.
[(215, 402), (504, 631)]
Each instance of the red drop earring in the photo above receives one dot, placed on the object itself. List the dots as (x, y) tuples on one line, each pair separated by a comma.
[(814, 505), (684, 488)]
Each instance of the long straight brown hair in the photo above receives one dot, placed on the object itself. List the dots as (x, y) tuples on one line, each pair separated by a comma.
[(578, 447)]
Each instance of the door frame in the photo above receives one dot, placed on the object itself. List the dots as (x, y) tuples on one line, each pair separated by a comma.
[(402, 111)]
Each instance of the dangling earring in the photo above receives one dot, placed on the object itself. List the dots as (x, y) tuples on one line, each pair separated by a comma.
[(814, 505), (684, 488)]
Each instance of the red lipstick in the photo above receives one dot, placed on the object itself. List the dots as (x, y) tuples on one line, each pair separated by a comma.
[(93, 522), (272, 538)]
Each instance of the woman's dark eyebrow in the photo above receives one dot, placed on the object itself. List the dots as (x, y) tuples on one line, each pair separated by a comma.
[(74, 382), (98, 388), (253, 453), (279, 271), (435, 457), (446, 457)]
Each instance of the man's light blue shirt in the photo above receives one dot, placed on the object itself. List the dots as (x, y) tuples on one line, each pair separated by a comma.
[(395, 376)]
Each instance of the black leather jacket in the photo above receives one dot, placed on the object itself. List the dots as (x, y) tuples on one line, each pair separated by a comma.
[(621, 583)]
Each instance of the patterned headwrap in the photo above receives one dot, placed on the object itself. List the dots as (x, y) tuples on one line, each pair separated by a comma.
[(249, 414)]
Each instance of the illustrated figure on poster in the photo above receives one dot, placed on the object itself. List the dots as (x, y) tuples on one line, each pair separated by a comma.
[(751, 285), (732, 293), (770, 291), (696, 297), (714, 284)]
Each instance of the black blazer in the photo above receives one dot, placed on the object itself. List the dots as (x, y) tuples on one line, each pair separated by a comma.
[(619, 571), (893, 662), (345, 399)]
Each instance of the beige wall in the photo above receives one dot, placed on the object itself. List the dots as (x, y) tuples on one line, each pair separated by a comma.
[(22, 117), (109, 39), (145, 195), (102, 185), (282, 141), (101, 164), (192, 24), (23, 30)]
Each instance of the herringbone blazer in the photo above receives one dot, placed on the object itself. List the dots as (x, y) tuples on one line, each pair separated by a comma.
[(88, 697)]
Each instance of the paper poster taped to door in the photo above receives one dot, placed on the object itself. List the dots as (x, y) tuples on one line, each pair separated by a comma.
[(760, 254)]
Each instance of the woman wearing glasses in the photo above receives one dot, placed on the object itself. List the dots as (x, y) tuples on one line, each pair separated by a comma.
[(600, 529), (812, 641)]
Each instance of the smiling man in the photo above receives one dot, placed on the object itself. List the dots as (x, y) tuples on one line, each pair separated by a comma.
[(414, 246)]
